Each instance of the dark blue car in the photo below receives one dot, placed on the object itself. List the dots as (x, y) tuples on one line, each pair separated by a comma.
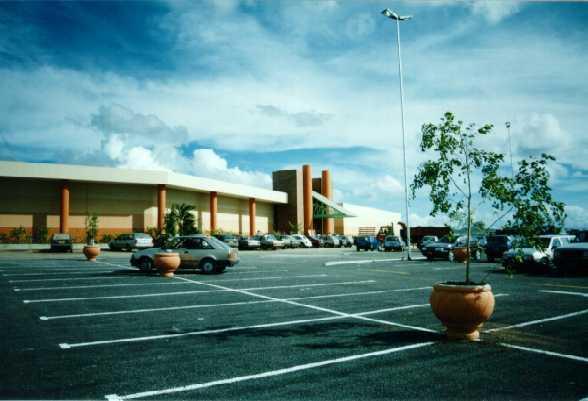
[(366, 242)]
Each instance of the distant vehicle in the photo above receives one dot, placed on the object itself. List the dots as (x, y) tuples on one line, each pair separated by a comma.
[(196, 251), (61, 242), (427, 239), (571, 258), (496, 245), (366, 242), (441, 249), (246, 242), (268, 241), (523, 255), (288, 241), (131, 241), (331, 241), (229, 239), (393, 243), (346, 241), (315, 241), (302, 240)]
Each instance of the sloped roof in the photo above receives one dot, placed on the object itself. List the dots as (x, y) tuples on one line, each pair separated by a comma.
[(332, 209)]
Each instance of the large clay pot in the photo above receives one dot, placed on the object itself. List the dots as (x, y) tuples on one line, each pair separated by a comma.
[(167, 263), (462, 309), (91, 252), (459, 254)]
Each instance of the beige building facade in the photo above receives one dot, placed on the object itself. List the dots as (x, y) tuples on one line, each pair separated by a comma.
[(51, 198)]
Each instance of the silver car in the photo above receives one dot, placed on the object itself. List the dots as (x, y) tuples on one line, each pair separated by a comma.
[(131, 241), (196, 251)]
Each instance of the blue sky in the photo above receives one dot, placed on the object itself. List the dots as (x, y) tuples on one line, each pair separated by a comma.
[(236, 89)]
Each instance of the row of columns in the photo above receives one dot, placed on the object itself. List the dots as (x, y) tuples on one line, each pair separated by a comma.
[(161, 208)]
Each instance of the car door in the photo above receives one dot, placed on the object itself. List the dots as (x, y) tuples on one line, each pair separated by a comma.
[(184, 249), (197, 249)]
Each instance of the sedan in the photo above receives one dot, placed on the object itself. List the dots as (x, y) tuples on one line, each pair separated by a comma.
[(61, 242), (268, 241), (197, 251), (249, 243), (131, 241)]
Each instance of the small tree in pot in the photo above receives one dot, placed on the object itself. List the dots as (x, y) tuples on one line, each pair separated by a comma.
[(458, 170), (91, 250)]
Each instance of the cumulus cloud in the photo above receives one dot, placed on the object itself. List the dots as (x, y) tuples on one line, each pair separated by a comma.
[(300, 119), (537, 132), (577, 217), (494, 11)]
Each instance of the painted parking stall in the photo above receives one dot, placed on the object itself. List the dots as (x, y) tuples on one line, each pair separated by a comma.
[(269, 325)]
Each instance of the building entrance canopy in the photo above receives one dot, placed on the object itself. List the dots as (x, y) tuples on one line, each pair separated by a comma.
[(324, 208)]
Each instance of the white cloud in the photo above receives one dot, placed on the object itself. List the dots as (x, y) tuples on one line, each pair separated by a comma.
[(577, 216), (494, 11)]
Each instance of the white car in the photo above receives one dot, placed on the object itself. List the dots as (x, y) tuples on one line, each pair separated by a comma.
[(131, 241), (524, 255), (302, 240)]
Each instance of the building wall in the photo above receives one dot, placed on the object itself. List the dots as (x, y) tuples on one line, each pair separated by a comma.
[(34, 204), (292, 214)]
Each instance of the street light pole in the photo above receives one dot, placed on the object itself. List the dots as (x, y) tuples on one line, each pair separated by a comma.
[(392, 15), (509, 148)]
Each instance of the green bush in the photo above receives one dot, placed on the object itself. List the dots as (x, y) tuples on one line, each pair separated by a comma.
[(17, 235)]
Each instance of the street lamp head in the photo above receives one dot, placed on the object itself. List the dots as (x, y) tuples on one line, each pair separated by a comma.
[(507, 124), (392, 15)]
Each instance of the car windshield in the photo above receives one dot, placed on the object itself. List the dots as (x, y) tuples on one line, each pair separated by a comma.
[(444, 239), (391, 238), (61, 236), (543, 242), (256, 237), (428, 238), (216, 243), (142, 235), (498, 240)]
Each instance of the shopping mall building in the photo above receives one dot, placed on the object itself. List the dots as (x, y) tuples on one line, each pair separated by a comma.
[(58, 197)]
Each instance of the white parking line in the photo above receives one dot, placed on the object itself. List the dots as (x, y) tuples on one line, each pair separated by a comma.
[(533, 322), (364, 261), (163, 283), (198, 306), (313, 365), (74, 272), (160, 294), (36, 280), (239, 328), (581, 294), (540, 351)]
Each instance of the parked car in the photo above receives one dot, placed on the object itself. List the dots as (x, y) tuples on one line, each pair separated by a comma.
[(441, 249), (496, 245), (288, 241), (393, 243), (268, 241), (131, 241), (330, 241), (571, 258), (315, 241), (524, 256), (246, 242), (303, 241), (196, 251), (366, 242), (229, 239), (427, 239), (61, 242), (346, 241)]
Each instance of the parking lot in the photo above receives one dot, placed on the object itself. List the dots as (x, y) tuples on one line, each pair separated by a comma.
[(321, 324)]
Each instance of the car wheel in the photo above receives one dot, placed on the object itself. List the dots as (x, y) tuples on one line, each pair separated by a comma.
[(451, 256), (145, 264), (208, 266)]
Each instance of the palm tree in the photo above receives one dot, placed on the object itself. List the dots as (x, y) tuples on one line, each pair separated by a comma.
[(185, 218)]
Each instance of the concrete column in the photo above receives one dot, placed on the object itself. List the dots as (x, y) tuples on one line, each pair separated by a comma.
[(327, 192), (213, 210), (307, 196), (64, 215), (161, 204), (252, 213)]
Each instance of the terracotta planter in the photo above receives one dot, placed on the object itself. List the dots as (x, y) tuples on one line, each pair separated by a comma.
[(91, 252), (459, 254), (167, 263), (462, 309)]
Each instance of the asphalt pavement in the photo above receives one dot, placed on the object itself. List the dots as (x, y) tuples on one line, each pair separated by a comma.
[(303, 324)]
